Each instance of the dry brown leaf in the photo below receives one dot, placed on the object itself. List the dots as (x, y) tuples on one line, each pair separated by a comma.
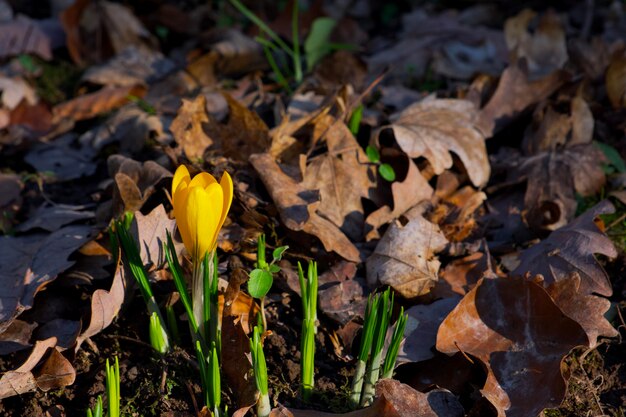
[(343, 177), (616, 81), (97, 30), (104, 306), (10, 200), (92, 104), (513, 326), (459, 276), (150, 231), (16, 337), (545, 49), (435, 128), (297, 208), (405, 256), (65, 331), (455, 214), (568, 250), (514, 94), (15, 90), (53, 217), (55, 371), (187, 127), (28, 263), (23, 36)]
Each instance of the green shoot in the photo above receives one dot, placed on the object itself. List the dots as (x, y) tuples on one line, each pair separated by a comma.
[(215, 389), (317, 44), (113, 388), (385, 170), (260, 373), (131, 251), (308, 292), (367, 335), (179, 282), (385, 306), (97, 410), (172, 324), (355, 124), (394, 345), (261, 278), (156, 336)]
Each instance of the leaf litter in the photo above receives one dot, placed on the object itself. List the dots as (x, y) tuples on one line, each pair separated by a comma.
[(503, 128)]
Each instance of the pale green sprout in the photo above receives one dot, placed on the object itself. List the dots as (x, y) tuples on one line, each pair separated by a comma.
[(112, 375), (367, 334), (263, 407), (158, 330), (97, 411), (394, 346), (308, 292), (261, 278)]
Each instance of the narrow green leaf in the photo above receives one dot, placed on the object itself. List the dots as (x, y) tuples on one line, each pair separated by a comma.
[(612, 155), (355, 121), (386, 171), (316, 44), (277, 254)]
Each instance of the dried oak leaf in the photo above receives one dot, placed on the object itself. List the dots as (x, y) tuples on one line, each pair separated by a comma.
[(241, 135), (545, 49), (105, 305), (53, 217), (434, 128), (150, 231), (28, 263), (342, 175), (297, 207), (24, 36), (92, 104), (513, 326), (16, 337), (571, 250), (514, 94), (54, 372), (405, 256), (394, 399)]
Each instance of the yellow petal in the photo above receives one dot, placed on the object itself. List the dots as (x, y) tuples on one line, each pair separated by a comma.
[(216, 197), (181, 175), (203, 179), (202, 218), (227, 188), (180, 209)]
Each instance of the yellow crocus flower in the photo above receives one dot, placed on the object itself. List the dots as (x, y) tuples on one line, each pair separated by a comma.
[(200, 208)]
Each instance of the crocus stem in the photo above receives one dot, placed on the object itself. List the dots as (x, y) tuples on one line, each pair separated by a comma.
[(197, 296), (370, 379), (263, 407), (357, 383)]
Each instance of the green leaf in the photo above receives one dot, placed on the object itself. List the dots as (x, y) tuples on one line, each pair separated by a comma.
[(277, 254), (386, 171), (274, 268), (355, 120), (372, 154), (612, 155), (316, 44), (260, 283)]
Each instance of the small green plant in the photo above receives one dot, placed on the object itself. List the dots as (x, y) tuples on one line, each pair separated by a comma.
[(158, 329), (377, 317), (261, 278), (308, 292), (259, 366), (112, 374), (354, 123), (316, 45), (385, 170)]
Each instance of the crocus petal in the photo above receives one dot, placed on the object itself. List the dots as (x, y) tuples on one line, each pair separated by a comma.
[(202, 217), (216, 196), (180, 208), (227, 188), (181, 175), (203, 179)]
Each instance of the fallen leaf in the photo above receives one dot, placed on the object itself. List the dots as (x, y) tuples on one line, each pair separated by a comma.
[(455, 214), (62, 159), (421, 329), (92, 104), (615, 81), (297, 208), (14, 90), (150, 231), (55, 371), (28, 263), (513, 326), (187, 127), (405, 257), (342, 175), (105, 305), (545, 49), (16, 337), (571, 249), (233, 53), (65, 331), (514, 94), (434, 128), (461, 275), (23, 36), (52, 217)]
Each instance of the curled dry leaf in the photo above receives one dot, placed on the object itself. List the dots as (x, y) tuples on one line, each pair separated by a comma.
[(150, 231), (405, 256), (104, 306), (297, 207), (54, 372), (513, 326), (436, 128), (616, 81), (24, 36), (16, 337), (545, 49), (28, 263), (572, 275), (92, 104), (514, 94)]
